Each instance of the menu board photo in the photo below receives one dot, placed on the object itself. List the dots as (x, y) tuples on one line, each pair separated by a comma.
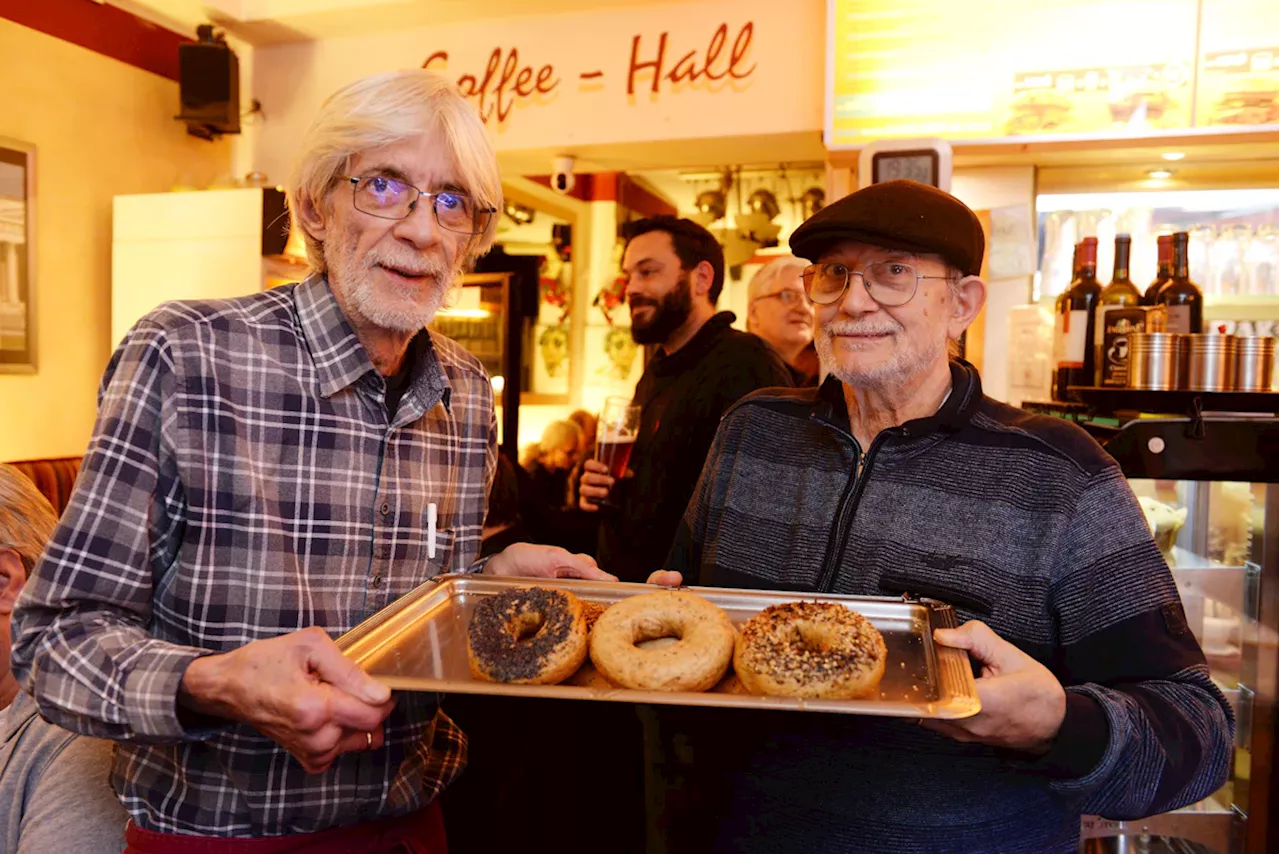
[(1055, 68)]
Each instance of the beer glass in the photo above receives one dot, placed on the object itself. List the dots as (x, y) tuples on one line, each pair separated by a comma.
[(615, 437)]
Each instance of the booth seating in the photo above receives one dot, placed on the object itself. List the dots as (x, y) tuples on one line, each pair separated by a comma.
[(54, 477)]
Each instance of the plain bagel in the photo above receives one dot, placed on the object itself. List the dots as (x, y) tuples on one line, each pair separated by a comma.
[(695, 662)]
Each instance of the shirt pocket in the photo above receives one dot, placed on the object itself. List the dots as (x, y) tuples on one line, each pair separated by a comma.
[(443, 560), (968, 604)]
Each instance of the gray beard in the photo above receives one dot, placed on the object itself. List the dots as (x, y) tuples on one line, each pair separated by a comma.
[(892, 374), (355, 279)]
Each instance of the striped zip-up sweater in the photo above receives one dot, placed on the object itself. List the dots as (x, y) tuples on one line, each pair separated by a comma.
[(1019, 520)]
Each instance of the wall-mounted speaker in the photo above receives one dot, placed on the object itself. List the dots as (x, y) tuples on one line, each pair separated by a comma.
[(209, 85)]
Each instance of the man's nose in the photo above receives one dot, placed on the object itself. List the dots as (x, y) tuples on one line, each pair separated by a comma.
[(856, 300), (420, 227)]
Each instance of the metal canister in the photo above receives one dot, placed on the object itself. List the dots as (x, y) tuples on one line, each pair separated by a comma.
[(1155, 360), (1210, 361), (1255, 362)]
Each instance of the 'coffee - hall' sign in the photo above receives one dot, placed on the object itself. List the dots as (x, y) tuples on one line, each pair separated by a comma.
[(655, 66)]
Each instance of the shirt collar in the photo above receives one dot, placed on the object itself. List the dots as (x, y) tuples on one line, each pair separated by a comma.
[(697, 347), (428, 384), (339, 356), (956, 409)]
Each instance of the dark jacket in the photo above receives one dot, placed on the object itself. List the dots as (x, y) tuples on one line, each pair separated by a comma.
[(682, 398), (1019, 520)]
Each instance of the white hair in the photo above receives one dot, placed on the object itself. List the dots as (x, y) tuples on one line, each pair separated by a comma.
[(772, 272), (383, 109)]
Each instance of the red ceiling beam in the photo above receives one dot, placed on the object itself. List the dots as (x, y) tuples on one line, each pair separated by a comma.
[(102, 29)]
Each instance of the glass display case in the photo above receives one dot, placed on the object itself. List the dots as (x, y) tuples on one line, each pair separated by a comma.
[(1208, 489)]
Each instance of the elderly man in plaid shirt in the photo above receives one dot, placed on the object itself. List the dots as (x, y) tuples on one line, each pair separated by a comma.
[(259, 480)]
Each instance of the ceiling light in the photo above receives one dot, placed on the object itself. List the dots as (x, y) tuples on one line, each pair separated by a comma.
[(1160, 174), (1173, 155)]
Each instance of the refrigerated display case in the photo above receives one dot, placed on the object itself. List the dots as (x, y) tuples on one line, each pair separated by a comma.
[(486, 321), (1208, 486)]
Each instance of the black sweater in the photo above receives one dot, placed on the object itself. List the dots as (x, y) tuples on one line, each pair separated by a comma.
[(682, 398)]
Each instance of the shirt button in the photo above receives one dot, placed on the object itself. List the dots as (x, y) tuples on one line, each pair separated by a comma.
[(377, 581), (386, 508)]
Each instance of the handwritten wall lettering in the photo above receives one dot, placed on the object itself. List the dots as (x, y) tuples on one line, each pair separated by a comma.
[(513, 83), (506, 81), (686, 68)]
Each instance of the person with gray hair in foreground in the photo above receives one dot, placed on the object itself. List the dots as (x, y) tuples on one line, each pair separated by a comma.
[(54, 794), (265, 473), (898, 476)]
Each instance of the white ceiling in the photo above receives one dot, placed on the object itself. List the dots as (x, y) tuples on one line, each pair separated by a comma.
[(263, 22)]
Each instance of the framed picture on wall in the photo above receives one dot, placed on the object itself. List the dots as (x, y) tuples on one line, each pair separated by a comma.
[(17, 257)]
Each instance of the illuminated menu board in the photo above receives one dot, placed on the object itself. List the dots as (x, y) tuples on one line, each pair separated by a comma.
[(1050, 68)]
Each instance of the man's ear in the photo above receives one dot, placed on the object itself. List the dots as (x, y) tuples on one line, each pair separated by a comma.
[(311, 217), (703, 276), (968, 297), (12, 576)]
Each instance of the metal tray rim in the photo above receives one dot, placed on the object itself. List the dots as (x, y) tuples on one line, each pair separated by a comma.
[(956, 685)]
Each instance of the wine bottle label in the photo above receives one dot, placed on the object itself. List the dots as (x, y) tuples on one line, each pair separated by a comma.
[(1179, 318), (1116, 322), (1059, 339), (1075, 329)]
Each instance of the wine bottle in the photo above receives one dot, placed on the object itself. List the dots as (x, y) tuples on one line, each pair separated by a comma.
[(1164, 268), (1059, 326), (1075, 366), (1115, 319), (1183, 297)]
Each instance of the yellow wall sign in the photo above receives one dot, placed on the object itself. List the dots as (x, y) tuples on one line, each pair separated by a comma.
[(1051, 68)]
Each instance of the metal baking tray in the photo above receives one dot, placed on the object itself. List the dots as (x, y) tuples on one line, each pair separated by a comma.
[(419, 643)]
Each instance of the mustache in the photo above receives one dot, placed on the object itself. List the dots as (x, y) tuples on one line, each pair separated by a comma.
[(637, 301), (853, 327), (409, 262)]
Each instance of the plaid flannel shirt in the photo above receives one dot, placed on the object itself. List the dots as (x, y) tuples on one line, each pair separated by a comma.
[(244, 481)]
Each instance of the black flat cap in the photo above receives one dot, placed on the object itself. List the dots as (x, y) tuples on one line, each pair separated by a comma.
[(904, 215)]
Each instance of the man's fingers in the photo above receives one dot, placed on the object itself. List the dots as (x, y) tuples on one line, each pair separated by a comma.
[(336, 669), (359, 741), (595, 466), (982, 643), (580, 566), (590, 573), (666, 578), (346, 740), (352, 713)]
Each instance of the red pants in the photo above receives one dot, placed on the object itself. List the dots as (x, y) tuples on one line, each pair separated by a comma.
[(420, 832)]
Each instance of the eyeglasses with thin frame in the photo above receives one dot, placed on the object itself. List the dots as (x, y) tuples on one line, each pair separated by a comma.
[(391, 198), (889, 283), (788, 298)]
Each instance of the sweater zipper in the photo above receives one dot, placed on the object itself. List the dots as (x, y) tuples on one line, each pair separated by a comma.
[(845, 512)]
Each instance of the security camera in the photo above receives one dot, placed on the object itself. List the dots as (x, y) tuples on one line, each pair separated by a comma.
[(562, 174)]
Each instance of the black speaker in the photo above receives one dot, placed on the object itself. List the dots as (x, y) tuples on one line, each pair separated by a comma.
[(209, 85)]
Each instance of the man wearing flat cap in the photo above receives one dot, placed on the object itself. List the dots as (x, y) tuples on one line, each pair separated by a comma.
[(899, 476)]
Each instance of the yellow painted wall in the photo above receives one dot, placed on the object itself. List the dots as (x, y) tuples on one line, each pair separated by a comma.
[(101, 128)]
